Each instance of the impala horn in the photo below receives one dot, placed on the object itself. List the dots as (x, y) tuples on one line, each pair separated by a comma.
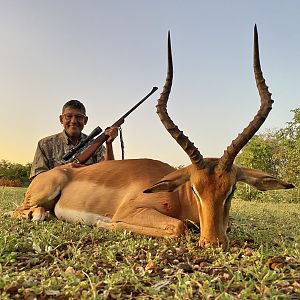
[(193, 153), (226, 161)]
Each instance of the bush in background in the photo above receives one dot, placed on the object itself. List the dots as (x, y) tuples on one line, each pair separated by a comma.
[(12, 174)]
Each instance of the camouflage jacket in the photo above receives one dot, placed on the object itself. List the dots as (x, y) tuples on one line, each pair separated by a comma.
[(51, 149)]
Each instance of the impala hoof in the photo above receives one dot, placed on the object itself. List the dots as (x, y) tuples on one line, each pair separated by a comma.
[(207, 243), (38, 214)]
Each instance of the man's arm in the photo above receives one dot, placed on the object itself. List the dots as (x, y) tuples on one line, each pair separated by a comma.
[(109, 153), (112, 132)]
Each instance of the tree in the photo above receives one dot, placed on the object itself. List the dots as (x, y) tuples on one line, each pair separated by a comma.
[(288, 152), (16, 174), (278, 153), (258, 154)]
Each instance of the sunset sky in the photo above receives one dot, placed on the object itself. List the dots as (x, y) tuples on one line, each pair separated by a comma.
[(109, 55)]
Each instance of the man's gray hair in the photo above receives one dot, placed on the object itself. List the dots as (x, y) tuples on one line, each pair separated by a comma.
[(76, 104)]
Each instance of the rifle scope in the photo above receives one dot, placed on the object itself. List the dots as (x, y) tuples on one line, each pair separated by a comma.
[(82, 143)]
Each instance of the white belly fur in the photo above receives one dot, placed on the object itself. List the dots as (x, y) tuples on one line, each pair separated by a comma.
[(74, 216)]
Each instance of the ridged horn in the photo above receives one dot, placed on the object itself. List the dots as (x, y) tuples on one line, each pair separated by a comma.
[(193, 153), (226, 161)]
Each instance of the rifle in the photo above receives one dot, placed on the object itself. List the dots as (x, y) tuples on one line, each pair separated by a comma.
[(97, 142), (82, 143)]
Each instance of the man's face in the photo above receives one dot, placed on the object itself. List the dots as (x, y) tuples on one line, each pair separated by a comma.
[(73, 121)]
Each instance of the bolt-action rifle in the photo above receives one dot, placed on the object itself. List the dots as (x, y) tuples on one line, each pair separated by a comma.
[(82, 157)]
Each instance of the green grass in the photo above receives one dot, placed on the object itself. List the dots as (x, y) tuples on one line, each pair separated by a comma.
[(58, 260)]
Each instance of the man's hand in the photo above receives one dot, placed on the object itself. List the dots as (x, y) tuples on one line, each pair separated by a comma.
[(112, 132), (73, 164)]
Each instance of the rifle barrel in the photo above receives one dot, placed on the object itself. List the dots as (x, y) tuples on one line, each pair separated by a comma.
[(97, 142), (154, 89)]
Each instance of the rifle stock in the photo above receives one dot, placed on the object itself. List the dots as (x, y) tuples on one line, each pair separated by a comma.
[(97, 142)]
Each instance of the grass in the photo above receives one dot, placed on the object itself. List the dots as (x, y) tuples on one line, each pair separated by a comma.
[(58, 260)]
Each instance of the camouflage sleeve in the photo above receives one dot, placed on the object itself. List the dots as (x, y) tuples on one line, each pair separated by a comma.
[(40, 162)]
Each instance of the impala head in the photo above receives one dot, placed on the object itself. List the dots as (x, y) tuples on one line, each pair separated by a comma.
[(213, 180)]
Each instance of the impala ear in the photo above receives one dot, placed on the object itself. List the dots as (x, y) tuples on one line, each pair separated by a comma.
[(261, 180), (170, 182)]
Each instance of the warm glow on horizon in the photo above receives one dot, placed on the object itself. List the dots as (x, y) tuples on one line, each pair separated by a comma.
[(110, 54)]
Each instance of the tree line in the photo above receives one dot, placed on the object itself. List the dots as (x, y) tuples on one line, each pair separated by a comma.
[(275, 151), (12, 174)]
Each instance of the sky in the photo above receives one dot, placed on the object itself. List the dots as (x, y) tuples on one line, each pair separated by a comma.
[(109, 55)]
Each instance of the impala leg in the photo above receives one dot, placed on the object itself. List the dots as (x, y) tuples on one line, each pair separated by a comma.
[(147, 221), (44, 191)]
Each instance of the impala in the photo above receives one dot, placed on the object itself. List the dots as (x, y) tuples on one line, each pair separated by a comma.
[(148, 196)]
